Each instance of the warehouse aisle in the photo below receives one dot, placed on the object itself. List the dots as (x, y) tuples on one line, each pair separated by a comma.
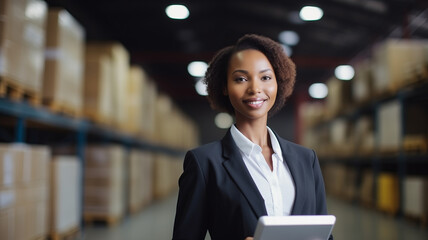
[(353, 223)]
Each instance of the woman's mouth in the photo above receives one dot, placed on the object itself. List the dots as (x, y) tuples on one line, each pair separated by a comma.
[(255, 103)]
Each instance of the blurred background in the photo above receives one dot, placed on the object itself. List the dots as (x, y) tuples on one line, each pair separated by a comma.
[(100, 100)]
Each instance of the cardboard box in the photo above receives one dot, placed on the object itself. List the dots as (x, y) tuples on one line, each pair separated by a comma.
[(104, 180), (397, 63), (390, 122), (63, 75), (120, 60), (415, 196), (22, 33), (98, 89), (65, 207)]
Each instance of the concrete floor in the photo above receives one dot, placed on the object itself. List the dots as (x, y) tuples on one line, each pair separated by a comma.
[(353, 223)]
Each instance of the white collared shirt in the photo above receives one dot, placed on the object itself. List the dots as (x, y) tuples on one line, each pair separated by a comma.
[(276, 186)]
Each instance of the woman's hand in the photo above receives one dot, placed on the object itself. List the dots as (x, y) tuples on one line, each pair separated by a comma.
[(249, 238)]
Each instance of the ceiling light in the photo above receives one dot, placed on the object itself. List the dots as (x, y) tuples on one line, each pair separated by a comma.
[(318, 90), (197, 68), (311, 13), (201, 87), (177, 11), (223, 120), (344, 72), (289, 38)]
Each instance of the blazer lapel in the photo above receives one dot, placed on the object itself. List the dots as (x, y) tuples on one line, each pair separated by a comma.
[(238, 172), (292, 160)]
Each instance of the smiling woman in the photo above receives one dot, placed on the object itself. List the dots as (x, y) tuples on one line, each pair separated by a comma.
[(228, 185)]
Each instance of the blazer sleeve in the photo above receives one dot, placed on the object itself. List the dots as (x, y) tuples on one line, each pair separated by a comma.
[(190, 219)]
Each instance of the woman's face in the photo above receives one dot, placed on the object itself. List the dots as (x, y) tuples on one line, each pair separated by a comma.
[(251, 85)]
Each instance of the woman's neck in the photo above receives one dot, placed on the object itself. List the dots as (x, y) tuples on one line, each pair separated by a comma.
[(256, 131)]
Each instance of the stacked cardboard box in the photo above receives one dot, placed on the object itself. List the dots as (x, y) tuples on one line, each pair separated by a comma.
[(119, 70), (63, 76), (140, 180), (362, 84), (98, 89), (389, 133), (135, 99), (104, 182), (24, 191), (415, 197), (339, 97), (65, 210), (22, 42), (366, 188), (398, 62), (149, 108)]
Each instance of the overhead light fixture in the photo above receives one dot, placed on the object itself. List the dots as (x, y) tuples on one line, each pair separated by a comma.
[(177, 11), (289, 38), (223, 120), (311, 13), (197, 68), (318, 90), (344, 72), (201, 87)]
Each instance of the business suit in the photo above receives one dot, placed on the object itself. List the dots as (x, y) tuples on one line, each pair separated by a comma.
[(218, 194)]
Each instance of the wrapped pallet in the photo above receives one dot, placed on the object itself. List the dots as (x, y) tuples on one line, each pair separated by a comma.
[(388, 199), (119, 67), (63, 76), (65, 210), (390, 126), (149, 109), (162, 179), (140, 180), (135, 99), (24, 191), (22, 42), (366, 188), (415, 197), (98, 89), (339, 97), (104, 183), (398, 62), (362, 84)]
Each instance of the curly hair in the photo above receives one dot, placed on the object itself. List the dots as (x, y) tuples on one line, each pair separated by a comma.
[(216, 75)]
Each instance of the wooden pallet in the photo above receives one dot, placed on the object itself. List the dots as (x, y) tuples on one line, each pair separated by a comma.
[(16, 92), (109, 220), (62, 108), (70, 234)]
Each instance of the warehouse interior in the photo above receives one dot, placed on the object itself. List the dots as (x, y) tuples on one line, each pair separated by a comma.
[(99, 104)]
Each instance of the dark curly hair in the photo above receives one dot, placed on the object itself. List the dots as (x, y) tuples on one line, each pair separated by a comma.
[(216, 75)]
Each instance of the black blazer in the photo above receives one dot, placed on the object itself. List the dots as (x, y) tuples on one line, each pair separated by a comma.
[(218, 194)]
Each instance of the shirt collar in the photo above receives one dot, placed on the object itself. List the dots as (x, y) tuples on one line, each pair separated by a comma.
[(247, 147)]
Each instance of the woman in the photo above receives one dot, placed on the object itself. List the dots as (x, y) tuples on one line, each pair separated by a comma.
[(227, 185)]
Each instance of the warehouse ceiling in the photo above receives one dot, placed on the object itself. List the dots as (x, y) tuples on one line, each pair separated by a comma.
[(164, 47)]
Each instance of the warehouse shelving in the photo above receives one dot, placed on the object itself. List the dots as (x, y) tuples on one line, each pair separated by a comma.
[(75, 132), (398, 160), (23, 112)]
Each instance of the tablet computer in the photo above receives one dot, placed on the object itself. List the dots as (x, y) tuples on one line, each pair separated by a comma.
[(296, 227)]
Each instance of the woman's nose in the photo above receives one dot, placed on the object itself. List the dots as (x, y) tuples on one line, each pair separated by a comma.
[(254, 87)]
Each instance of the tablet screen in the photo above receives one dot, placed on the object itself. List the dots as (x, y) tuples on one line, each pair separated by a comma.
[(304, 227)]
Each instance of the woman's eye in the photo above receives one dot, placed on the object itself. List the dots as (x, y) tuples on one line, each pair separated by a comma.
[(264, 78), (240, 79)]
